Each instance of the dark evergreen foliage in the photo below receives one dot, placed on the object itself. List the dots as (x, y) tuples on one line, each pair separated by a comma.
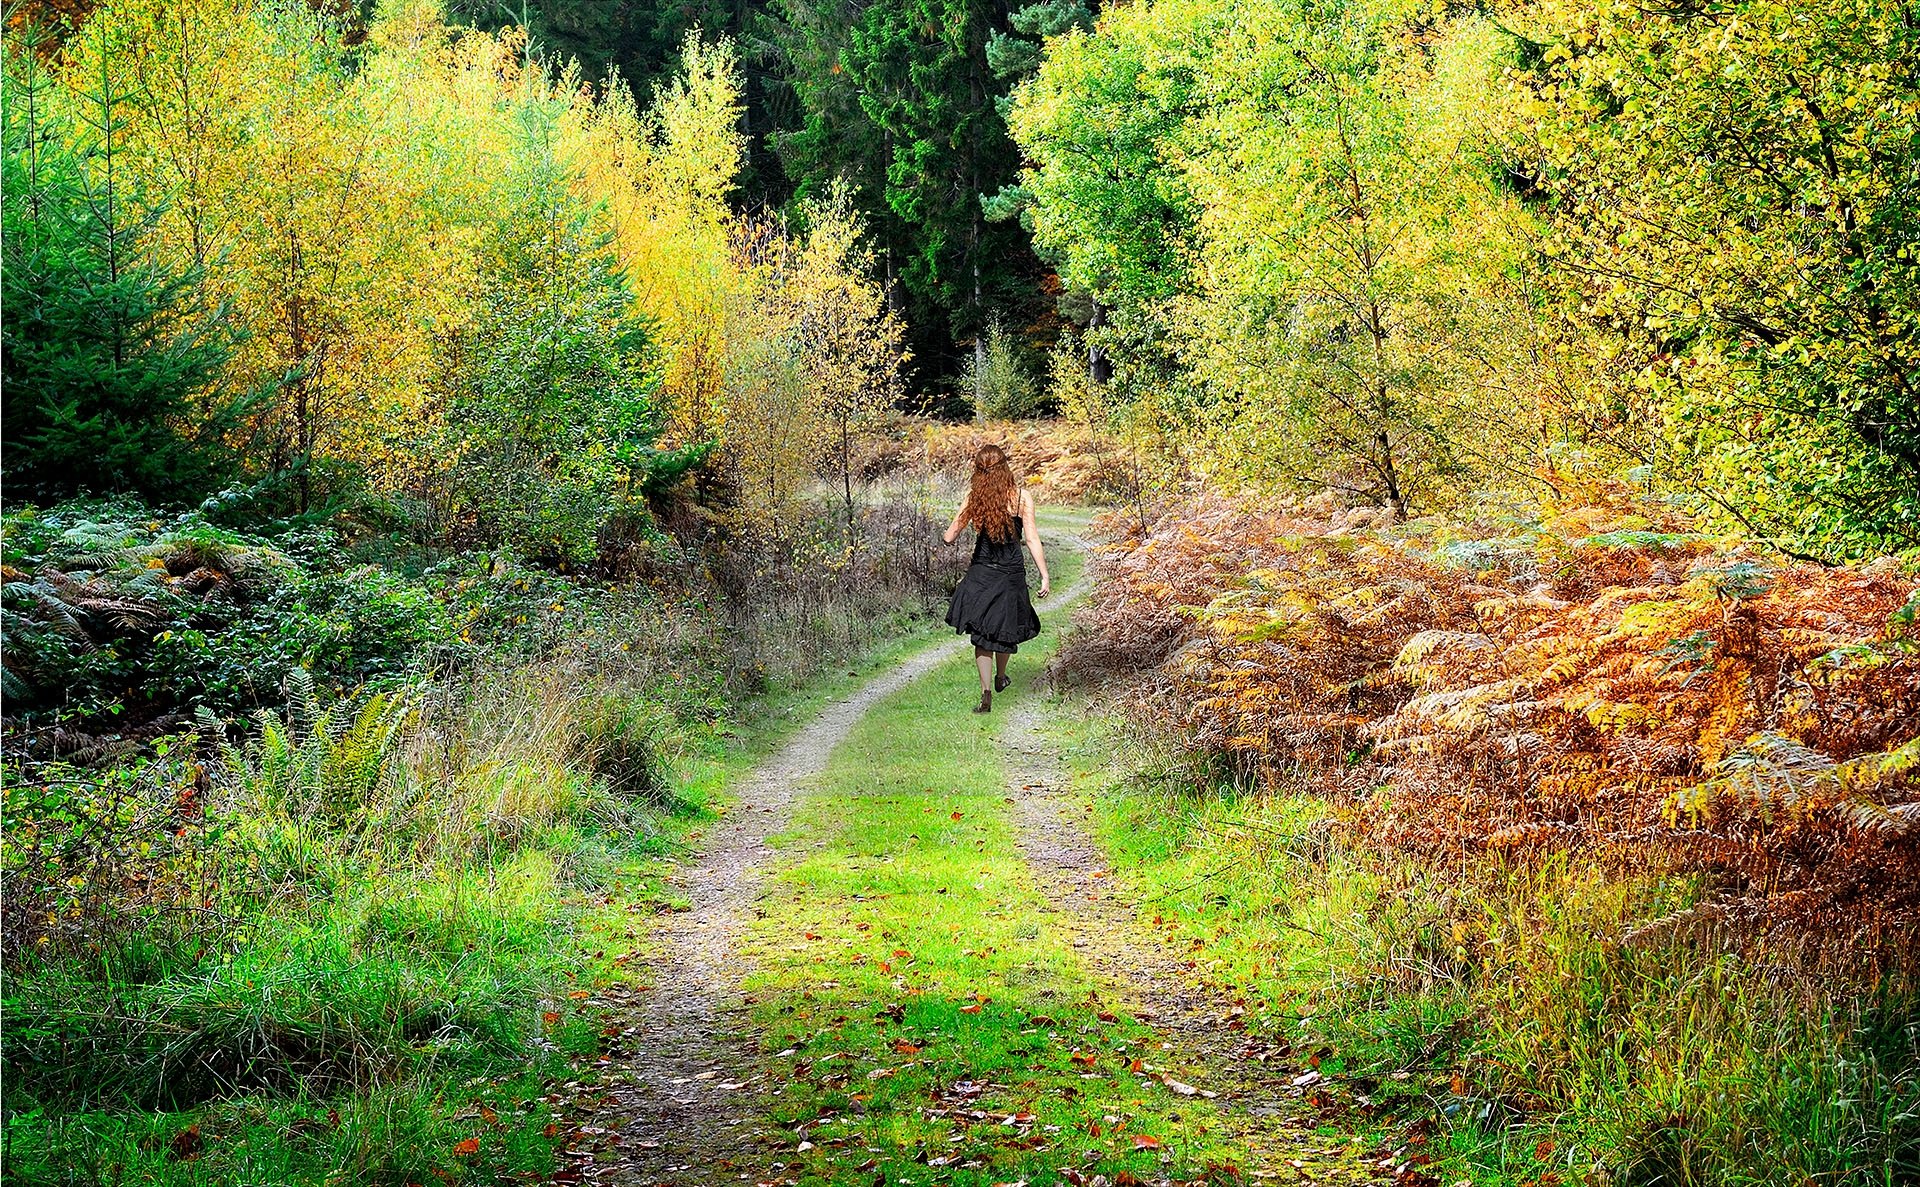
[(104, 346)]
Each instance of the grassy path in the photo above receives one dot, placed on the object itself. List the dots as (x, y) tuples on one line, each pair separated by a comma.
[(906, 963)]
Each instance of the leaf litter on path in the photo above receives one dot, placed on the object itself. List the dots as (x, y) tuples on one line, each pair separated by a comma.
[(682, 1097)]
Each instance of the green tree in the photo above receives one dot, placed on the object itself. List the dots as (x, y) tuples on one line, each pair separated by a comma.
[(1002, 386), (1101, 125), (1295, 214), (1014, 56), (106, 348), (1737, 214), (555, 416), (899, 99)]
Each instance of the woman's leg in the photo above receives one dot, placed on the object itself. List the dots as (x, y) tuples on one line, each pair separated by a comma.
[(1000, 659), (983, 659)]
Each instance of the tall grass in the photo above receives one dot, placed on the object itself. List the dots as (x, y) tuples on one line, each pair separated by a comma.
[(1527, 1013), (334, 937)]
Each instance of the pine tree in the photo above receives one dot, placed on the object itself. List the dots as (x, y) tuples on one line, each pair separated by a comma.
[(105, 346), (901, 100)]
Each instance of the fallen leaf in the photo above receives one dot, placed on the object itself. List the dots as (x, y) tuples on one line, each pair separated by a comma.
[(1146, 1141), (467, 1146), (972, 1009)]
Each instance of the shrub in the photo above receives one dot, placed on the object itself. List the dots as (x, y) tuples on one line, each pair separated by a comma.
[(122, 624), (1597, 683), (798, 603), (998, 378)]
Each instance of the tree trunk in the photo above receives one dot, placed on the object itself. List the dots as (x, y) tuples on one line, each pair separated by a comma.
[(1099, 366), (1390, 476), (846, 472)]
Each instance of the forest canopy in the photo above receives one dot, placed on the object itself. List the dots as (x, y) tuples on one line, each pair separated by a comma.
[(1417, 256), (258, 254), (1413, 254)]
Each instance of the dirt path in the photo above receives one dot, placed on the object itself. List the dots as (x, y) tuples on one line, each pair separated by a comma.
[(679, 1096), (1253, 1079)]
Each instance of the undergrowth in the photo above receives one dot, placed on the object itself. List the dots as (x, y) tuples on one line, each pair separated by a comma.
[(331, 920), (1576, 848), (1498, 1015)]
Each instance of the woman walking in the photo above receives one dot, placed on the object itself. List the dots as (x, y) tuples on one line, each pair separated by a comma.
[(991, 602)]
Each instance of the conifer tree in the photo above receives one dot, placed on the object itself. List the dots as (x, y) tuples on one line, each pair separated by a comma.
[(106, 347)]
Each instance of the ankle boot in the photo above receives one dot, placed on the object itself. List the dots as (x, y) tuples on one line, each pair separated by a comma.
[(1001, 682)]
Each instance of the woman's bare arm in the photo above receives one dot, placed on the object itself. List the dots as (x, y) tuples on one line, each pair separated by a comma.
[(953, 529), (1033, 542)]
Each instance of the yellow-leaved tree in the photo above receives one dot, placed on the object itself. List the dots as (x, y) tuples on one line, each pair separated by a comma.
[(1358, 315), (816, 351), (328, 223), (664, 175)]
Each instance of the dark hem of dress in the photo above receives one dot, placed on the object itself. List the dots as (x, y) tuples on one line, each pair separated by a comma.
[(991, 603)]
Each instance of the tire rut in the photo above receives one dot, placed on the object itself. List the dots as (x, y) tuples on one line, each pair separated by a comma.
[(679, 1097), (1253, 1079)]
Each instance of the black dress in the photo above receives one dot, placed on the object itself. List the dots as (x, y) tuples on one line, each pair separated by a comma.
[(991, 601)]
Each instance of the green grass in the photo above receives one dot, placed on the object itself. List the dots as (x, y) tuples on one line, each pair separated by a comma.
[(1501, 1012), (373, 1017), (920, 1012)]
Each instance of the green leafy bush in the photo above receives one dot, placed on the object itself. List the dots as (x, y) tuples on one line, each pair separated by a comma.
[(120, 623)]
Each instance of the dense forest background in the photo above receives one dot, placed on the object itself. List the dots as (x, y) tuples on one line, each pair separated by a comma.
[(1418, 254)]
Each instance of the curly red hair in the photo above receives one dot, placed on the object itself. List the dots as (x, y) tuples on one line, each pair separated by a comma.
[(990, 500)]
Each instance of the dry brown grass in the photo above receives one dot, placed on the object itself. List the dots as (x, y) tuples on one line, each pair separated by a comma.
[(1059, 461), (1650, 699)]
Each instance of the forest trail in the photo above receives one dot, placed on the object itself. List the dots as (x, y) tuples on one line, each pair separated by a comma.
[(681, 1101), (689, 1090), (1249, 1078)]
